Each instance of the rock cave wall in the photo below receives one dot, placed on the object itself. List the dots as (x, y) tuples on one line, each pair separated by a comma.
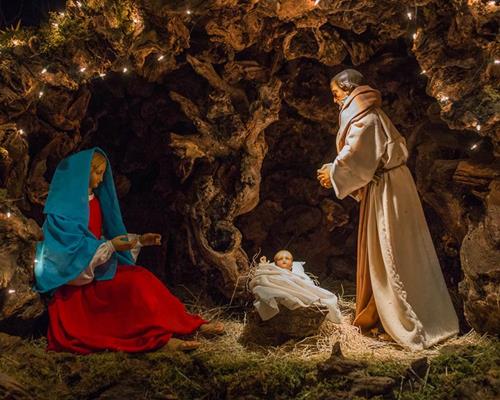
[(216, 115)]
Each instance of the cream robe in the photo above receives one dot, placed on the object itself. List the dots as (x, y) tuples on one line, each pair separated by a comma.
[(409, 291)]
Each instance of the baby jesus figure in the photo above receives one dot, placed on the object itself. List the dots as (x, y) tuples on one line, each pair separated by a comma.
[(285, 283)]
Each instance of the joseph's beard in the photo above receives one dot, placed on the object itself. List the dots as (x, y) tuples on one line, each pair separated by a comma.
[(341, 102)]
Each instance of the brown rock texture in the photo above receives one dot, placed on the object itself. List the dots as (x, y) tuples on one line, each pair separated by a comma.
[(216, 116), (20, 306), (480, 259)]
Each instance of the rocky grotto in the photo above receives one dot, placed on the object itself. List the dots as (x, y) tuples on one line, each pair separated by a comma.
[(215, 116)]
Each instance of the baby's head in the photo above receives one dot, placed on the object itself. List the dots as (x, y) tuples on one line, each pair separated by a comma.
[(283, 259)]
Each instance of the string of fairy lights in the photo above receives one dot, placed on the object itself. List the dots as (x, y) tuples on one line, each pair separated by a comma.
[(411, 15), (82, 70)]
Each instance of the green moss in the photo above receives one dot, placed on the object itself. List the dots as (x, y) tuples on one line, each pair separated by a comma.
[(68, 29), (73, 28), (226, 374), (14, 36), (460, 373), (392, 369)]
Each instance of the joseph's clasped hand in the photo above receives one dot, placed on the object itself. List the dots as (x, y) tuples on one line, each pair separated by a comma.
[(323, 176)]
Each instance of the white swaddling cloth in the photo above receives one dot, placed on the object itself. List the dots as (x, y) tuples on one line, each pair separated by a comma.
[(273, 286)]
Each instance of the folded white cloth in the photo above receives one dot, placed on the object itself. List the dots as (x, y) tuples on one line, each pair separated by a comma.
[(273, 286)]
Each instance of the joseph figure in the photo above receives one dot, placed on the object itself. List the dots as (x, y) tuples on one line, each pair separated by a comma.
[(399, 283)]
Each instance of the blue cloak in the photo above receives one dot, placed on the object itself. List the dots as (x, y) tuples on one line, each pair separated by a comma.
[(68, 246)]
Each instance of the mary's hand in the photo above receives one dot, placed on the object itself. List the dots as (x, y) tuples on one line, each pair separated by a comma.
[(150, 239), (121, 243)]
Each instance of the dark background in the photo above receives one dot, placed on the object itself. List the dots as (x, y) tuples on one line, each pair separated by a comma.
[(29, 12)]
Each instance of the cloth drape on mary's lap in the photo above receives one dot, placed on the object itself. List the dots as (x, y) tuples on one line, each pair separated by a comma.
[(125, 308)]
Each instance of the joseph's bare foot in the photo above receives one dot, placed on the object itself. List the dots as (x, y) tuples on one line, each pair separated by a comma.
[(175, 344), (212, 329)]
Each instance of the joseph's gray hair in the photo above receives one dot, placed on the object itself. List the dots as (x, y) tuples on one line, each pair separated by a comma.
[(348, 79)]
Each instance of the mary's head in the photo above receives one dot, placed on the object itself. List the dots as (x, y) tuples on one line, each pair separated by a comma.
[(97, 169)]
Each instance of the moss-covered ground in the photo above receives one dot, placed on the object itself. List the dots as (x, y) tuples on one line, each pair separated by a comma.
[(224, 369)]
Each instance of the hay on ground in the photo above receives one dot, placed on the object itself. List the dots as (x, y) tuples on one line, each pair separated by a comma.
[(318, 348)]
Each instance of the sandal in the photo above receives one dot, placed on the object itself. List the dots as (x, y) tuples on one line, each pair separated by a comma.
[(175, 344), (212, 329)]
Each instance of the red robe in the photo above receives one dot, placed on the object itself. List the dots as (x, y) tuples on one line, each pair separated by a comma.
[(133, 312)]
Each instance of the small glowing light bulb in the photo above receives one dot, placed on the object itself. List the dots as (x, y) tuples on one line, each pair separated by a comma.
[(496, 62), (410, 15), (11, 291), (414, 36), (161, 57), (78, 4), (102, 74), (423, 72), (473, 146), (55, 24), (82, 69), (8, 214), (44, 71), (21, 131), (62, 14), (188, 12), (125, 70), (40, 93), (316, 2), (492, 3), (478, 127)]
